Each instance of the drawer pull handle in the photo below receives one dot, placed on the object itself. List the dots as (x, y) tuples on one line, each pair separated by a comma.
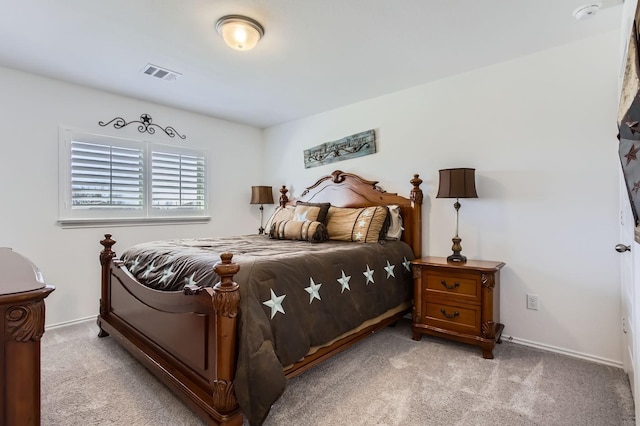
[(444, 312), (450, 287)]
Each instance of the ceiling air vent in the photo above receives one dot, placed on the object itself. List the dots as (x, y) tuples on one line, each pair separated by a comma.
[(161, 73)]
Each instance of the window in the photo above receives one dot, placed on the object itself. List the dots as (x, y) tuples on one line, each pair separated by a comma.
[(106, 176), (177, 181), (108, 179)]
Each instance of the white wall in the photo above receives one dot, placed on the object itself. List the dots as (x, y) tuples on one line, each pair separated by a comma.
[(541, 133), (31, 110)]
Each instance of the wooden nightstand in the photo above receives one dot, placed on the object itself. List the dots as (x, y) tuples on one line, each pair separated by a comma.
[(458, 301)]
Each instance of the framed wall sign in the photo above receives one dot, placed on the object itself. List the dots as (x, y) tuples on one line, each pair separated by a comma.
[(357, 145)]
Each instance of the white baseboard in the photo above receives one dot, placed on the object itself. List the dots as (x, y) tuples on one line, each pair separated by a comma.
[(511, 339), (66, 323), (563, 351)]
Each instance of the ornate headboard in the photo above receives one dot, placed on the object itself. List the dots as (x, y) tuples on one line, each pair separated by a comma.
[(349, 190)]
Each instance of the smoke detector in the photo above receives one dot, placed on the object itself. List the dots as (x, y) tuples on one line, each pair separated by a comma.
[(161, 73), (587, 11)]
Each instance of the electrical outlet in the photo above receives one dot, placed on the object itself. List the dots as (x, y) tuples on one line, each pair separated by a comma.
[(532, 301)]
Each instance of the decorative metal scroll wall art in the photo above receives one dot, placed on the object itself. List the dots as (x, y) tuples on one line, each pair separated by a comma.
[(629, 122), (146, 125), (357, 145)]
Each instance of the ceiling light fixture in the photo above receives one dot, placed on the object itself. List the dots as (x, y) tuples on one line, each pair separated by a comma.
[(239, 32)]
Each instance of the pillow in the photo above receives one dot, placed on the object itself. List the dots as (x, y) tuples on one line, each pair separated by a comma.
[(280, 213), (324, 209), (385, 226), (310, 211), (356, 224), (307, 230), (394, 232)]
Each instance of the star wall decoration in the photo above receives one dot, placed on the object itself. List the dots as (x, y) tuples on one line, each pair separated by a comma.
[(632, 154), (275, 303), (344, 282), (368, 275), (313, 290), (146, 125), (389, 268)]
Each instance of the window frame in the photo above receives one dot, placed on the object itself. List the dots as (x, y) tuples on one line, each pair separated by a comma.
[(147, 215)]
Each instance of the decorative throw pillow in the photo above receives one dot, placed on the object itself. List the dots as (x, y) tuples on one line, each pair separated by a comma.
[(356, 224), (307, 230), (280, 213), (322, 214), (304, 212), (394, 232)]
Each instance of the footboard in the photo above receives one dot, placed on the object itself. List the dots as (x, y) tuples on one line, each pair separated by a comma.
[(188, 340)]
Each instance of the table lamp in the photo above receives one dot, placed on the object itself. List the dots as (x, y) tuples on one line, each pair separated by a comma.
[(261, 195), (457, 183)]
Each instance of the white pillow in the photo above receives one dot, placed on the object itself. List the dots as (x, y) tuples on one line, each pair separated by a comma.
[(395, 225)]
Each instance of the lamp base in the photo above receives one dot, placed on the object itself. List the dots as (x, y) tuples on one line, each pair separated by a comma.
[(457, 248), (457, 257), (261, 229)]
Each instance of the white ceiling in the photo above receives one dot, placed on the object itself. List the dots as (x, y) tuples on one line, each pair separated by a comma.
[(316, 55)]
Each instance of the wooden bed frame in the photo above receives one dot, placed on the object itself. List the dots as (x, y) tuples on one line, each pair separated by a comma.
[(188, 339)]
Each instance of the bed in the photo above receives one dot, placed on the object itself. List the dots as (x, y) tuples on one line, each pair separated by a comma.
[(226, 350)]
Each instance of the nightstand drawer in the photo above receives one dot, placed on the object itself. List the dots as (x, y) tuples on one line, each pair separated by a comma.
[(460, 318), (464, 286)]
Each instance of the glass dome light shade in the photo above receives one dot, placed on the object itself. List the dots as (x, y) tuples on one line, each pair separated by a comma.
[(239, 32)]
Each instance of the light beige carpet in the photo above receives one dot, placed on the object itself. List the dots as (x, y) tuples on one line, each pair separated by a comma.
[(387, 379)]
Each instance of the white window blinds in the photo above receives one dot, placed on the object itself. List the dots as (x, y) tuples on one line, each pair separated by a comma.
[(106, 176), (177, 181), (105, 179)]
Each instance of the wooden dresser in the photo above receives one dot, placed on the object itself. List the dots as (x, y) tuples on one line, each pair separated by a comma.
[(458, 301), (22, 293)]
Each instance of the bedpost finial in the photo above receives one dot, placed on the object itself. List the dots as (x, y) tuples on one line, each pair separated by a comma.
[(226, 292), (283, 196), (226, 257), (107, 254), (416, 192), (107, 243), (226, 269)]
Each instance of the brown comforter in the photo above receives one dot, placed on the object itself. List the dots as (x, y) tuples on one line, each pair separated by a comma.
[(293, 296)]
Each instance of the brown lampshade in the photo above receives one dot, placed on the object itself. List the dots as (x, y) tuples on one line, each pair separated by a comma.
[(457, 183), (261, 195)]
